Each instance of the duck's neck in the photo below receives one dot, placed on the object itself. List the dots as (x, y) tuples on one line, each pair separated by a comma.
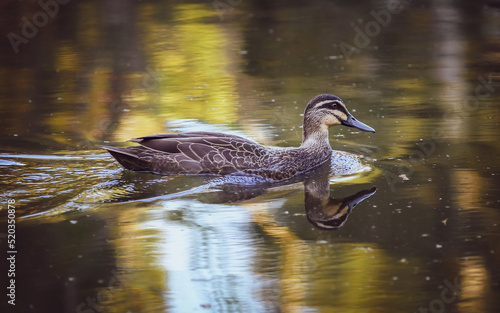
[(314, 135)]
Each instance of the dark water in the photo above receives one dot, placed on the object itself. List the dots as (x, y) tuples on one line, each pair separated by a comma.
[(91, 237)]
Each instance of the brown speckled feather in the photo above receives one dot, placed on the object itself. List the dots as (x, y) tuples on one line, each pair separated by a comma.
[(212, 153)]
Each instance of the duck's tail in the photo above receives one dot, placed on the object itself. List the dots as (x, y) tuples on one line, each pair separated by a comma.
[(129, 158)]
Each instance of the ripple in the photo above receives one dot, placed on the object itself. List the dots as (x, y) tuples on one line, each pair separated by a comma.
[(8, 162)]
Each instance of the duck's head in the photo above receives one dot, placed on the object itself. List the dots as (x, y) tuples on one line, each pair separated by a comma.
[(328, 213), (324, 111)]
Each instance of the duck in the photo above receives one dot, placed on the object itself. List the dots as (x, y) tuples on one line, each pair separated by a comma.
[(323, 211), (217, 153)]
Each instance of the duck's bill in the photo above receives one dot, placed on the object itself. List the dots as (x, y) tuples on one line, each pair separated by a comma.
[(353, 122), (353, 200)]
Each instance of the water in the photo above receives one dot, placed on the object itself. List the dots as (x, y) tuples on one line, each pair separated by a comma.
[(91, 237)]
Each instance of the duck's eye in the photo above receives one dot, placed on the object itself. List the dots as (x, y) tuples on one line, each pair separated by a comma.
[(330, 105), (333, 106)]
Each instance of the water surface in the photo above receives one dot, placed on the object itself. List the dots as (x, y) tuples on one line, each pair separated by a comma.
[(91, 237)]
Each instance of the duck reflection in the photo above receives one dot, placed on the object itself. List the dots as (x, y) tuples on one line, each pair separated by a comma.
[(323, 211), (327, 213)]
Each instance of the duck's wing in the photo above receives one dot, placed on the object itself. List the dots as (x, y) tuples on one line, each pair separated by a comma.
[(197, 144), (195, 152)]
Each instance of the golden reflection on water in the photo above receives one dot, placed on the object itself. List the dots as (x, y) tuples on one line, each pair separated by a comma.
[(473, 285), (187, 74), (152, 259)]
